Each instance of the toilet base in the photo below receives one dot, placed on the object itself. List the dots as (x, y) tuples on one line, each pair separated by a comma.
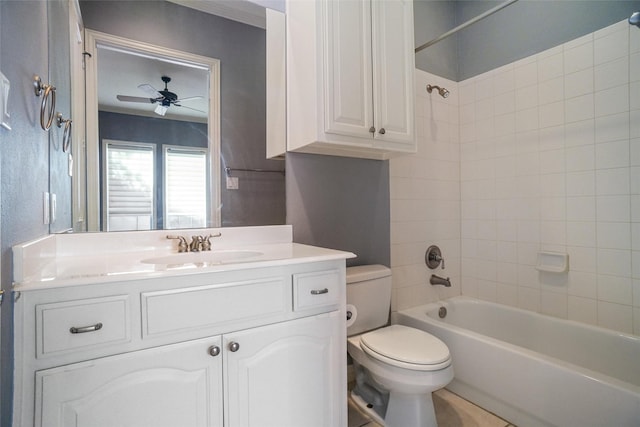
[(403, 410)]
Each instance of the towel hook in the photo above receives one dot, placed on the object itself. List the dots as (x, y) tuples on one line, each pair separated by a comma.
[(66, 136)]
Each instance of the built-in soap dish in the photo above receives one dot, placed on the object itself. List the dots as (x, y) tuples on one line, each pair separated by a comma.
[(553, 262)]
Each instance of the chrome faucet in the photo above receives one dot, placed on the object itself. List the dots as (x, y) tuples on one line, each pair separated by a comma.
[(196, 243), (437, 280)]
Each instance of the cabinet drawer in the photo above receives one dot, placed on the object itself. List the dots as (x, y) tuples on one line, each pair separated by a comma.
[(82, 324), (208, 307), (316, 289)]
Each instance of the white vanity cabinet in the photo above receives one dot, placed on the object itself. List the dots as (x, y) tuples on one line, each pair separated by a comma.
[(350, 77), (256, 347)]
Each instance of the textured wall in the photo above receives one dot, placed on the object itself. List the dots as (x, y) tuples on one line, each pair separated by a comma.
[(24, 152), (340, 203), (241, 51)]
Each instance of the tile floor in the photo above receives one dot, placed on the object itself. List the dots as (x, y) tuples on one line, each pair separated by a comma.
[(451, 411)]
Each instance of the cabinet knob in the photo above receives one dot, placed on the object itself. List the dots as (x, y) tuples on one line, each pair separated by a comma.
[(382, 131), (214, 350), (372, 129), (234, 346)]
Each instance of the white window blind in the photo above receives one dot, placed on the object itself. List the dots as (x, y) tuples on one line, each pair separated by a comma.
[(129, 186), (185, 187)]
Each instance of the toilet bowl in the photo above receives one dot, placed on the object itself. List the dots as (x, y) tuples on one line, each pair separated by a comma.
[(397, 367)]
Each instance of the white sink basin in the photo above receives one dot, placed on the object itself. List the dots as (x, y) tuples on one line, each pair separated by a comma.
[(207, 257)]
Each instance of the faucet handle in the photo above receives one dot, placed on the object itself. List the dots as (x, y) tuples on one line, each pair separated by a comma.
[(206, 241), (433, 257), (182, 243)]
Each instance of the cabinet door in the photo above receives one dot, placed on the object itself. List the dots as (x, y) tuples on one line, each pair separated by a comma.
[(393, 74), (348, 87), (174, 385), (289, 374)]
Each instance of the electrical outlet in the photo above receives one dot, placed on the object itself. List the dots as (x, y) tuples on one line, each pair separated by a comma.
[(232, 183)]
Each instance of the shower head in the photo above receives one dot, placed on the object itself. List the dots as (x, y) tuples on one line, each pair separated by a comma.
[(442, 91), (635, 19)]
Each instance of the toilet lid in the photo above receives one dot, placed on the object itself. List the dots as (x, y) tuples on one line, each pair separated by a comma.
[(406, 347)]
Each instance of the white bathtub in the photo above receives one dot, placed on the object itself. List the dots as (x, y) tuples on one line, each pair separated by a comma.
[(536, 370)]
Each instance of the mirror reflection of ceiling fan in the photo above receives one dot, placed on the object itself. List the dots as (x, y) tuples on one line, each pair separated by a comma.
[(164, 98)]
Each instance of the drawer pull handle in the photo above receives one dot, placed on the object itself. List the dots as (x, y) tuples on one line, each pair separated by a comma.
[(319, 291), (83, 329)]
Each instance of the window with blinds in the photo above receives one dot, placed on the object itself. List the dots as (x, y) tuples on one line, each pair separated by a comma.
[(185, 181), (129, 183)]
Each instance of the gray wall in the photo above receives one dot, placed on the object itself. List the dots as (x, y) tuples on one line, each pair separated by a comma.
[(241, 51), (340, 203), (520, 30), (24, 153)]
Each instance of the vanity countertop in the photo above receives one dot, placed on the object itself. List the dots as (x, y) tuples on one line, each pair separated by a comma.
[(92, 258)]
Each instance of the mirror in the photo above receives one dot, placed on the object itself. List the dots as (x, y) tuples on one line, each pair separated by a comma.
[(164, 39)]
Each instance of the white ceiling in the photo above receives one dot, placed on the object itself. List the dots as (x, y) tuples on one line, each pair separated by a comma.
[(120, 73)]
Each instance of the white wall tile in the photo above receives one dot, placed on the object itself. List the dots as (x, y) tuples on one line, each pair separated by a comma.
[(579, 57), (612, 127), (552, 66), (580, 158), (615, 289), (614, 262), (582, 284), (547, 155), (579, 83), (614, 235), (613, 208), (581, 208), (581, 234), (579, 108), (615, 316), (525, 73), (583, 310), (610, 46), (612, 74), (581, 183), (612, 101), (579, 133), (612, 181)]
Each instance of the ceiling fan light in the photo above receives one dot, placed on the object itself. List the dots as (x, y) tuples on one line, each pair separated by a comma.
[(161, 110)]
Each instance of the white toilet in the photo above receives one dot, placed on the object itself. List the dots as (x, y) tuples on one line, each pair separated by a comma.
[(397, 367)]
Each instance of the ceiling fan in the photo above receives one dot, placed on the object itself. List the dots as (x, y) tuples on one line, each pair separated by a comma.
[(164, 98)]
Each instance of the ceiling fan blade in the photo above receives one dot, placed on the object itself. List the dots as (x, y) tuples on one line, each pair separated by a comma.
[(190, 98), (189, 108), (126, 98), (150, 90)]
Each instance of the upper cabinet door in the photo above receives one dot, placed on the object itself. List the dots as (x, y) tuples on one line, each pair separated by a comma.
[(393, 71), (348, 75), (350, 66)]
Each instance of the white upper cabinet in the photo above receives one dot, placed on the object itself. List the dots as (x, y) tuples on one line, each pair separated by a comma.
[(350, 71)]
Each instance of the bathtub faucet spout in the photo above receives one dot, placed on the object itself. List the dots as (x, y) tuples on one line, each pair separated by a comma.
[(437, 280)]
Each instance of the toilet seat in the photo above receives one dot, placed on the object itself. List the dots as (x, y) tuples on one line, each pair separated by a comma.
[(407, 348)]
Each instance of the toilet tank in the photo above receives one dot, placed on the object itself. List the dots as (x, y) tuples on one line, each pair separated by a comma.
[(369, 291)]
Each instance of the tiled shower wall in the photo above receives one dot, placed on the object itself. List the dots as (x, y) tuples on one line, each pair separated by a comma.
[(425, 199), (549, 159)]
